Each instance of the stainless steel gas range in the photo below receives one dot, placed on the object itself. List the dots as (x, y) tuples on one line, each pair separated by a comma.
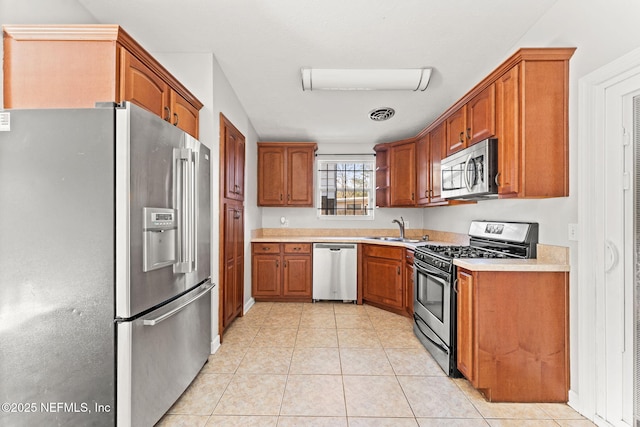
[(435, 277)]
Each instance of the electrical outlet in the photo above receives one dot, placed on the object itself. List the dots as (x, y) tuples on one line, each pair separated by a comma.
[(573, 232)]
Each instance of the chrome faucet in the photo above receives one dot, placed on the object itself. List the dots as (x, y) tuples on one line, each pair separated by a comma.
[(401, 225)]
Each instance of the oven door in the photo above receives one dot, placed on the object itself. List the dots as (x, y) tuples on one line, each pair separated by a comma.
[(432, 299)]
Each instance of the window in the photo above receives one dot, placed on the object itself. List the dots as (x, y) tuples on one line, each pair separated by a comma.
[(346, 189)]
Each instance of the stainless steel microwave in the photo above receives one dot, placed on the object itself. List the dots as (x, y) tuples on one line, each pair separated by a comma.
[(470, 174)]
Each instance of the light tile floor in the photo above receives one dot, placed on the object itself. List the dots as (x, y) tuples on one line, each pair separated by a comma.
[(334, 364)]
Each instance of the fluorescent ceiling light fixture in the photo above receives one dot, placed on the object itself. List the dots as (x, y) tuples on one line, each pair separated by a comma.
[(415, 79)]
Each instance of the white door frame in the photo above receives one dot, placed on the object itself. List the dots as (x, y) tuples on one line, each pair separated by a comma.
[(592, 133)]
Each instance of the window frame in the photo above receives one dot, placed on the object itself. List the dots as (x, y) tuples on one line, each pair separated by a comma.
[(367, 160)]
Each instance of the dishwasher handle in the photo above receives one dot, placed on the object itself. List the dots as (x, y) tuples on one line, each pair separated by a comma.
[(334, 246)]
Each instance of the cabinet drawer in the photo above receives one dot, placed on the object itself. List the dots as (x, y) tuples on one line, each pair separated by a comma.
[(265, 248), (381, 251), (408, 256), (297, 248)]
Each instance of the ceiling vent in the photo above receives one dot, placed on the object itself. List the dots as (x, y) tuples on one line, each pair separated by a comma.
[(381, 114)]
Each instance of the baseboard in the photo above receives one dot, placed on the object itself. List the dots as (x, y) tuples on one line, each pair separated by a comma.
[(249, 304), (215, 344)]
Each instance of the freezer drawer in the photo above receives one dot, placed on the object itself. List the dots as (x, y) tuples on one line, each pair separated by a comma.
[(159, 354), (335, 271)]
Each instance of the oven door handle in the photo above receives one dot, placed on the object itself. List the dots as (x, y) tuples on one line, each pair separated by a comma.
[(437, 344)]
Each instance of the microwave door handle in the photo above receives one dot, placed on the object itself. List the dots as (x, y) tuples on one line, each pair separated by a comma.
[(466, 172)]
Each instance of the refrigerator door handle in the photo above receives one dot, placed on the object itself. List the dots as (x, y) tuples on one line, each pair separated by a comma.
[(186, 202), (155, 321)]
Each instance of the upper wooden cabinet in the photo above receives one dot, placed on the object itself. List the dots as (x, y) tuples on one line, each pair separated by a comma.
[(532, 126), (285, 173), (382, 176), (75, 66), (524, 104), (429, 151), (481, 116), (402, 173), (456, 128), (472, 122), (234, 158)]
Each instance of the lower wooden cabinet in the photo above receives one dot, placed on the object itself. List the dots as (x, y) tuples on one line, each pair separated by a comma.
[(408, 281), (281, 271), (232, 289), (513, 330), (383, 278)]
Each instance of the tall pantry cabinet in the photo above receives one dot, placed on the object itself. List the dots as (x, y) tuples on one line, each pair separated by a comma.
[(232, 155)]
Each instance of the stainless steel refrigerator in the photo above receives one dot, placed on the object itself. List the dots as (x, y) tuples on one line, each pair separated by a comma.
[(105, 307)]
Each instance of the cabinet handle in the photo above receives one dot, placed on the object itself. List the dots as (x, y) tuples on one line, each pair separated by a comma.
[(497, 183), (236, 214), (175, 116), (413, 196), (468, 133), (168, 114), (461, 139), (296, 249), (289, 197), (277, 264), (455, 286), (280, 196), (398, 270), (266, 248), (285, 264)]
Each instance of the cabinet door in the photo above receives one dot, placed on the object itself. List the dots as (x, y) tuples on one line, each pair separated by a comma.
[(297, 276), (436, 149), (423, 166), (300, 174), (183, 114), (403, 174), (508, 131), (143, 87), (465, 333), (233, 283), (408, 282), (456, 129), (266, 275), (234, 154), (383, 282), (481, 116), (271, 176)]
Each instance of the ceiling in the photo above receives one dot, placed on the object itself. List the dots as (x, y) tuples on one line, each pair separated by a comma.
[(261, 46)]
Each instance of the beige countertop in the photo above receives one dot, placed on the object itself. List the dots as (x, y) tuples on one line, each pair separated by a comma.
[(337, 239), (549, 258)]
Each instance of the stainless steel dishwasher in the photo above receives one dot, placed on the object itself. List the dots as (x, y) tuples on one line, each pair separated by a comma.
[(335, 271)]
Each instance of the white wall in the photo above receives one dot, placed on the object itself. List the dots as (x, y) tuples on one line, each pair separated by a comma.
[(602, 31)]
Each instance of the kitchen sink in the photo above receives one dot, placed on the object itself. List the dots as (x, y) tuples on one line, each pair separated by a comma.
[(396, 239)]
